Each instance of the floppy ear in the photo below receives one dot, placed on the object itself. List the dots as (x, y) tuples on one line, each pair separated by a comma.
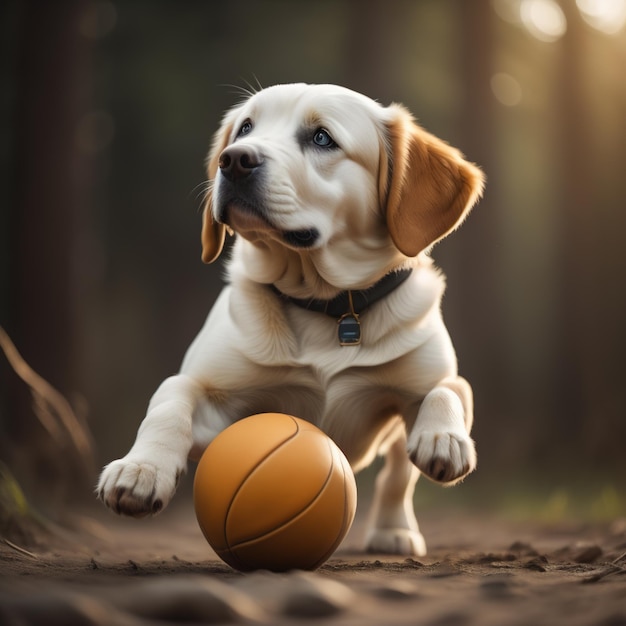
[(213, 233), (429, 187)]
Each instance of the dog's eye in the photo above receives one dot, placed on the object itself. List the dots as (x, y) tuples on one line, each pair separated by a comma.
[(322, 138), (246, 128)]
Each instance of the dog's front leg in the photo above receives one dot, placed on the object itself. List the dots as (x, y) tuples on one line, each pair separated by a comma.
[(144, 481), (439, 443)]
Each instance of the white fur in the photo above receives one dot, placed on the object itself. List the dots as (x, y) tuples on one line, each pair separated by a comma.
[(398, 393)]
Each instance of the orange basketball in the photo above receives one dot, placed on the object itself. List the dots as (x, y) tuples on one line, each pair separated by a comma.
[(274, 492)]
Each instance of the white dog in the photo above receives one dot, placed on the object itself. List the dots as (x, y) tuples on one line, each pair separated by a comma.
[(332, 312)]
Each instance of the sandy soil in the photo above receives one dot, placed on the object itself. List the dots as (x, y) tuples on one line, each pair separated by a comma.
[(480, 570)]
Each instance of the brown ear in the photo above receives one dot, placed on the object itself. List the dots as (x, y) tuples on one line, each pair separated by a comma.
[(431, 187), (213, 233)]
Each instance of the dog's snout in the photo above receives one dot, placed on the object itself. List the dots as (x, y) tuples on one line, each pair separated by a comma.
[(239, 162)]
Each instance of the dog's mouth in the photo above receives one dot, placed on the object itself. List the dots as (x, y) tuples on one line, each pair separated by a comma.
[(244, 218), (248, 220)]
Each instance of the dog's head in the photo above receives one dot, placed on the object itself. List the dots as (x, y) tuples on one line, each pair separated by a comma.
[(321, 173)]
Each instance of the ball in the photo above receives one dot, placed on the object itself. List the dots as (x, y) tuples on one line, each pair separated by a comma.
[(274, 492)]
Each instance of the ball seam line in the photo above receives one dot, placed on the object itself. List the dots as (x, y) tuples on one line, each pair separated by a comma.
[(295, 517), (345, 521), (247, 476)]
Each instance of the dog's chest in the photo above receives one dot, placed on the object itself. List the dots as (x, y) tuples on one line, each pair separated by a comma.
[(268, 355)]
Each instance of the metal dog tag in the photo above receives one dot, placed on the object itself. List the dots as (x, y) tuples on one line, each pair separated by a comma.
[(349, 330)]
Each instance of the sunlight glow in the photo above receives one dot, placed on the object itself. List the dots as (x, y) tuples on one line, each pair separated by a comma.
[(508, 10), (506, 89), (608, 16), (544, 19)]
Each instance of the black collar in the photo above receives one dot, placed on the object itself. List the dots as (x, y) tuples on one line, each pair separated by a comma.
[(361, 298)]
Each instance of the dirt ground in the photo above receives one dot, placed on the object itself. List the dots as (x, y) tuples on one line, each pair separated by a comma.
[(480, 570)]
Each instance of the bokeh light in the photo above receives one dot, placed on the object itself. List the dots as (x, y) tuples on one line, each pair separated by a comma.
[(506, 89), (544, 19), (607, 16)]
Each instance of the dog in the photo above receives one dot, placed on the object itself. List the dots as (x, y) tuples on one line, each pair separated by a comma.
[(332, 308)]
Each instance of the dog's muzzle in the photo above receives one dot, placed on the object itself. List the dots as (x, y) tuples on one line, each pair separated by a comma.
[(241, 168)]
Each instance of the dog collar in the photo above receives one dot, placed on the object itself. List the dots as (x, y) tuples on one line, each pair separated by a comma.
[(346, 306)]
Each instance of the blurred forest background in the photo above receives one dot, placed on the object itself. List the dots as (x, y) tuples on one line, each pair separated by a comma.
[(107, 108)]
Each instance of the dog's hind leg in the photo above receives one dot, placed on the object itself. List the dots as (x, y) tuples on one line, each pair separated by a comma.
[(392, 526)]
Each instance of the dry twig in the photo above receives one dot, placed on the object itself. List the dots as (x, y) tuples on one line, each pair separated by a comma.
[(51, 407)]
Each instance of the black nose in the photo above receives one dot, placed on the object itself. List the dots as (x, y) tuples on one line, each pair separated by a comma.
[(239, 162)]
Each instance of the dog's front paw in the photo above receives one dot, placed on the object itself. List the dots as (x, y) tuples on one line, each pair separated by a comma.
[(445, 457), (401, 541), (137, 488)]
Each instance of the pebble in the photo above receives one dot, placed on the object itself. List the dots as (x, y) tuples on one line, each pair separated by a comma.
[(497, 586), (523, 548), (189, 599), (395, 590), (588, 554), (443, 570), (311, 596), (538, 564), (60, 609)]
